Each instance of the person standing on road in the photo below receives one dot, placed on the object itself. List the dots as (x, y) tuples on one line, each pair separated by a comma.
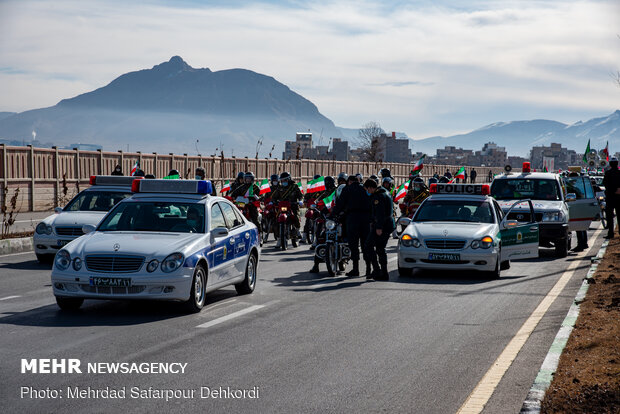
[(490, 175), (354, 202), (118, 170), (472, 176), (582, 235), (381, 226), (611, 182)]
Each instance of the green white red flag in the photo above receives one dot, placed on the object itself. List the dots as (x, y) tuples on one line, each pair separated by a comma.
[(585, 155), (401, 191), (226, 186), (459, 174), (606, 151), (264, 187), (329, 200), (300, 188), (316, 185), (417, 167)]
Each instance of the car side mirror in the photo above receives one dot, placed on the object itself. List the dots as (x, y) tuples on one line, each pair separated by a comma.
[(404, 221), (509, 224), (58, 210), (219, 232), (571, 197), (88, 228)]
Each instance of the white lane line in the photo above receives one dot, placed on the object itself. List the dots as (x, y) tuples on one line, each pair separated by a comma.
[(28, 221), (231, 316), (16, 254), (10, 297), (476, 401)]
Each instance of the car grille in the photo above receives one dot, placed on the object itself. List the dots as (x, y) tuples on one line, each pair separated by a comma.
[(114, 264), (69, 231), (447, 244), (525, 217), (106, 290)]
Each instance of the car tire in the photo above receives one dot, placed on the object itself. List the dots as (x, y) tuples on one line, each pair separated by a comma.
[(69, 304), (197, 295), (562, 246), (249, 282), (505, 265), (495, 274), (405, 271), (45, 258)]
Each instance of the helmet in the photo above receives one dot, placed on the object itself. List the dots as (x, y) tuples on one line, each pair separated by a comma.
[(342, 178), (432, 180), (360, 177), (249, 176), (443, 179), (387, 182), (330, 182), (285, 176), (418, 180), (274, 177), (241, 175), (385, 172), (374, 178), (174, 172), (316, 176)]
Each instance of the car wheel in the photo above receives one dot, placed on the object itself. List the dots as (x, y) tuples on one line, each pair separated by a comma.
[(505, 265), (561, 247), (69, 304), (45, 258), (495, 274), (248, 284), (197, 294), (331, 260), (405, 271)]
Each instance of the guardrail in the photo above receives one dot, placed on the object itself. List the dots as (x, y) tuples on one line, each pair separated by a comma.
[(49, 177)]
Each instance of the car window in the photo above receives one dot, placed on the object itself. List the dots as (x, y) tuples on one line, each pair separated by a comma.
[(217, 217), (229, 214), (164, 216), (579, 186), (239, 216), (499, 211), (455, 210), (96, 200), (521, 188)]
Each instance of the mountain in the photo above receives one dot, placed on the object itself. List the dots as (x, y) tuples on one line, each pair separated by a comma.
[(6, 114), (170, 106), (520, 136)]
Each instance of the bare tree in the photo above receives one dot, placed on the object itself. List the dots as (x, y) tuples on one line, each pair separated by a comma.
[(367, 141)]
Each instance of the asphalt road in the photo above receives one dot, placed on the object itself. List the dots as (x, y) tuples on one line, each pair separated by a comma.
[(310, 343)]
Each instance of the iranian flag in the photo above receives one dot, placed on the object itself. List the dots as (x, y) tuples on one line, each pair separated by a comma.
[(401, 191), (317, 185), (329, 201), (264, 187), (300, 188), (135, 168), (418, 165), (585, 155), (459, 174), (250, 192), (226, 186), (606, 151)]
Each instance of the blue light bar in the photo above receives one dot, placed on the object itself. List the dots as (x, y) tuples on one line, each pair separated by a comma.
[(173, 186)]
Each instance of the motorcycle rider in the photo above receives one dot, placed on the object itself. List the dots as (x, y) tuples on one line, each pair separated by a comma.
[(289, 191), (385, 172), (201, 174), (382, 224), (374, 178), (250, 190), (309, 195), (274, 180), (330, 188), (417, 192), (238, 181)]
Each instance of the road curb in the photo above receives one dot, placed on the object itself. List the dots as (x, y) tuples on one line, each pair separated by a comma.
[(19, 245), (536, 394)]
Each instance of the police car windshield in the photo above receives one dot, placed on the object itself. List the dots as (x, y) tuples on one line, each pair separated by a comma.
[(96, 200), (166, 216), (470, 211), (521, 188)]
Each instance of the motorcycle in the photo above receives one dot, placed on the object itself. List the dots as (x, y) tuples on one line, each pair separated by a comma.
[(408, 211), (335, 252), (602, 204), (243, 204), (312, 214), (269, 220), (286, 229)]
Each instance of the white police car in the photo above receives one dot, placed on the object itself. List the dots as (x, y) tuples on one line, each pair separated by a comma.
[(460, 227), (171, 241), (88, 207)]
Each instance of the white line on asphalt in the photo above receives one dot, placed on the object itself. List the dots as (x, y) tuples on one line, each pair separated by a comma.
[(231, 316), (28, 221), (10, 297), (476, 401), (16, 254)]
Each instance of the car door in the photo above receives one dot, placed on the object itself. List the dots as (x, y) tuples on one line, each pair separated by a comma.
[(519, 240), (238, 230), (221, 256), (584, 209)]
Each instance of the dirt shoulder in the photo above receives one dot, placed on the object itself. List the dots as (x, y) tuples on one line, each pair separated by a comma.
[(587, 379)]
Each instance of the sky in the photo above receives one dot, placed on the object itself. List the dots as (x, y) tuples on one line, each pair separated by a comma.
[(424, 68)]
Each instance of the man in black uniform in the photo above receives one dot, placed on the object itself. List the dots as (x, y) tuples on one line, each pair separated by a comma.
[(250, 190), (611, 182), (275, 183), (354, 202), (381, 225), (238, 182), (288, 191)]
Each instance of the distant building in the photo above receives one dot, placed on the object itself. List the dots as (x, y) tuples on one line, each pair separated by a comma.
[(492, 155), (302, 148), (516, 161), (391, 149), (562, 157), (341, 150)]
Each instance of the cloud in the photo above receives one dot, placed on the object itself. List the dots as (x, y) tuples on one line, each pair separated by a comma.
[(477, 61)]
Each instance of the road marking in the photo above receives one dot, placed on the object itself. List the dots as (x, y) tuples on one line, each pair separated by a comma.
[(476, 401), (28, 221), (16, 254), (10, 297), (231, 316)]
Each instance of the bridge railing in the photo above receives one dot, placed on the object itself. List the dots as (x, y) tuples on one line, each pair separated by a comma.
[(49, 177)]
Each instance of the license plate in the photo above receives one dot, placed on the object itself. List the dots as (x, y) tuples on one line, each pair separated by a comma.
[(110, 281), (62, 243), (444, 257)]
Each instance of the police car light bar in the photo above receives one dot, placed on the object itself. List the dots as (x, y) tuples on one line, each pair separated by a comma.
[(527, 167), (111, 180), (172, 186), (467, 189)]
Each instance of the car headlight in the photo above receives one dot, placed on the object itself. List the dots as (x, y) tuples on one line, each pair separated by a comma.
[(553, 216), (409, 241), (152, 266), (43, 228), (330, 225), (172, 262), (62, 260), (486, 242), (475, 244), (77, 263)]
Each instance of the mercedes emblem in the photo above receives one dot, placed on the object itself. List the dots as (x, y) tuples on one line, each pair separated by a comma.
[(445, 232), (116, 247)]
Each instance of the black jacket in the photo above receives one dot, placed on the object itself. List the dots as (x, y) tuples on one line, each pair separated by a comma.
[(611, 182), (354, 202), (382, 217)]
